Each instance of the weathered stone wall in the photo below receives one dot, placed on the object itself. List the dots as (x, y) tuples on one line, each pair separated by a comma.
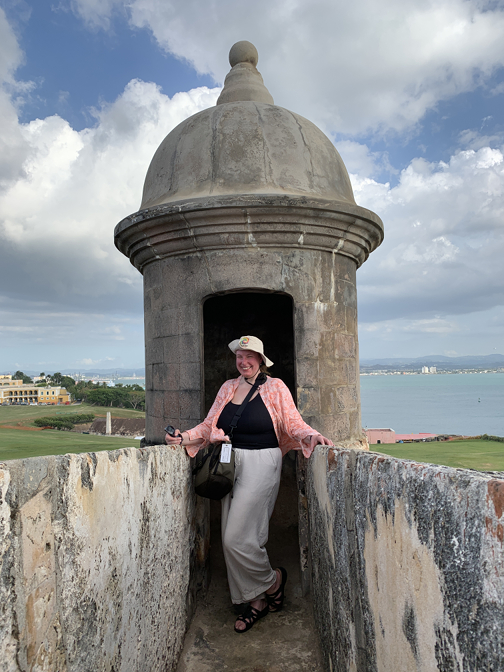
[(408, 564), (96, 552)]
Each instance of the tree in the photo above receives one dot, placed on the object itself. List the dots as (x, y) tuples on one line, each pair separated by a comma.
[(56, 378), (19, 375), (68, 383), (100, 396), (136, 399)]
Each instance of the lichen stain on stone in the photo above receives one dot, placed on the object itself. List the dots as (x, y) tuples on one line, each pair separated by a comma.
[(8, 625), (405, 594), (410, 629), (319, 469), (86, 475), (493, 559), (332, 460), (496, 494), (496, 530)]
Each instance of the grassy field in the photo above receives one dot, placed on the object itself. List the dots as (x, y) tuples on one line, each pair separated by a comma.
[(467, 454), (19, 438), (17, 444), (25, 415)]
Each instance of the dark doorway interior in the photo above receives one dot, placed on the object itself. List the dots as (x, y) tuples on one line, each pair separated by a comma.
[(269, 316)]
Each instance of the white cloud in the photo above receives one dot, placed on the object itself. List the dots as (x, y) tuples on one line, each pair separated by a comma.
[(35, 335), (472, 139), (434, 325), (471, 334), (73, 187), (96, 13), (444, 239), (13, 148), (62, 192), (350, 67), (360, 160), (11, 55)]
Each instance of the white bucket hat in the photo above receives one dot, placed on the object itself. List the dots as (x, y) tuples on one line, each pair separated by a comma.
[(250, 343)]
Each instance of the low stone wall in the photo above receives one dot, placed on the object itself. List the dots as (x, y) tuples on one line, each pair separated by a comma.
[(407, 562), (96, 552)]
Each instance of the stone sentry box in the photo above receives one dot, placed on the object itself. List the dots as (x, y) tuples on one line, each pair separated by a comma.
[(248, 225)]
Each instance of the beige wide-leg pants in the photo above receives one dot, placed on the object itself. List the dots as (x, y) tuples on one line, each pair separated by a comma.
[(246, 513)]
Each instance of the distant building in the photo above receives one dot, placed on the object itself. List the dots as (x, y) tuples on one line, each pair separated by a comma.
[(429, 369), (103, 381), (432, 369), (7, 380), (425, 369), (14, 392), (379, 436)]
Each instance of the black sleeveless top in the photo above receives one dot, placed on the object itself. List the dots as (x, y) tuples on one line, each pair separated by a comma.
[(255, 427)]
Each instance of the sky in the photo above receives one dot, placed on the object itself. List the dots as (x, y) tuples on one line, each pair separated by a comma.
[(411, 92)]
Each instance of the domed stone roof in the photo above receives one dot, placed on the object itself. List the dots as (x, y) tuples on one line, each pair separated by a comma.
[(246, 175), (245, 145)]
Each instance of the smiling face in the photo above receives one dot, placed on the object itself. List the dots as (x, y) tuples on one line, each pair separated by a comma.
[(248, 362)]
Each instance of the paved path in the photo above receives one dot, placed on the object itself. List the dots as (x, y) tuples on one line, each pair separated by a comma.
[(286, 641)]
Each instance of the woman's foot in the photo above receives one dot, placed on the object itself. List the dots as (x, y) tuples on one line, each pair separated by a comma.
[(276, 594), (253, 612)]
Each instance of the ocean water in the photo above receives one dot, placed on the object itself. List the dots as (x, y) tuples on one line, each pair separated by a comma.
[(459, 403), (131, 381), (438, 403)]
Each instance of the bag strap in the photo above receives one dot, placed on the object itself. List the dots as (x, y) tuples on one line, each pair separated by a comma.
[(261, 378)]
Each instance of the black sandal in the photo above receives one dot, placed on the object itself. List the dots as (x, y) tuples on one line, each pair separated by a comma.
[(275, 600), (250, 616)]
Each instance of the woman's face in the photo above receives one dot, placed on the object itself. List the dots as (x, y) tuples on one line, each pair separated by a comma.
[(248, 362)]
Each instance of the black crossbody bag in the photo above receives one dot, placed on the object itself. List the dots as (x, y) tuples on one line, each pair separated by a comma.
[(214, 479)]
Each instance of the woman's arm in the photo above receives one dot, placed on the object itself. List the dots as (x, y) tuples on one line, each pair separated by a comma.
[(291, 420), (199, 436), (181, 439)]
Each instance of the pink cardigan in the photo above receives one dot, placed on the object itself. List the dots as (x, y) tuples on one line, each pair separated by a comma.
[(290, 427)]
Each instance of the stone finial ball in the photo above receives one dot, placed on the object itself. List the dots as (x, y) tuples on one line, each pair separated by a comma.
[(243, 52)]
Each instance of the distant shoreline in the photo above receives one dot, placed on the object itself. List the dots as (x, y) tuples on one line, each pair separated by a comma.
[(382, 372)]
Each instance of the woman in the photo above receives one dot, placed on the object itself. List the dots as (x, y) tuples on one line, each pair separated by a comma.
[(269, 427)]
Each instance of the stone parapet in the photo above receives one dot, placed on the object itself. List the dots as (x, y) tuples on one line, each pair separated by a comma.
[(96, 553), (407, 563)]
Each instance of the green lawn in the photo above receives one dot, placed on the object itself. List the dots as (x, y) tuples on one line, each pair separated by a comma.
[(467, 454), (19, 443), (25, 415), (16, 444)]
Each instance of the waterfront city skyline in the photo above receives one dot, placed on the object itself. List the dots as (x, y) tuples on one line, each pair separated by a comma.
[(411, 94)]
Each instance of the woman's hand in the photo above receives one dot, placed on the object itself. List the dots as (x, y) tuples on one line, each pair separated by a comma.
[(181, 439), (176, 440), (319, 440)]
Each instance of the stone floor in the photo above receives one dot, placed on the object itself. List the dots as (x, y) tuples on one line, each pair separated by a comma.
[(286, 641)]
